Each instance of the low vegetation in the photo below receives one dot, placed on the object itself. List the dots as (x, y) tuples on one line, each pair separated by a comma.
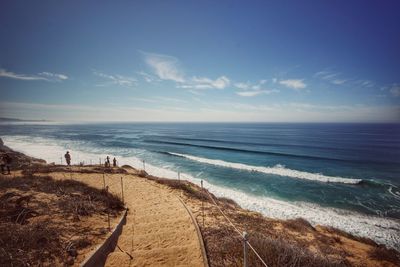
[(42, 220), (280, 243)]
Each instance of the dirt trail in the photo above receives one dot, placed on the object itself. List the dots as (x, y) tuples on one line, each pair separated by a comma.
[(158, 229)]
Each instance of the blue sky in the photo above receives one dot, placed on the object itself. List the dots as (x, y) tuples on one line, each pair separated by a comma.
[(275, 61)]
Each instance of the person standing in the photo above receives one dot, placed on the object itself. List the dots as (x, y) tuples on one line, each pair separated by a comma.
[(2, 164), (114, 162), (107, 163), (7, 160), (68, 158)]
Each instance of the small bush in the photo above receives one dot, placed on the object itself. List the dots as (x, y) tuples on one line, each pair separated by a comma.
[(299, 224), (336, 231), (142, 174), (278, 252), (187, 187), (225, 248)]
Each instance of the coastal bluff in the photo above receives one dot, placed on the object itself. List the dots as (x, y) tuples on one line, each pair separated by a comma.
[(160, 232)]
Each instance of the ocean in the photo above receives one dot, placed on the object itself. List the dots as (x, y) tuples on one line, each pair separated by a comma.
[(340, 175)]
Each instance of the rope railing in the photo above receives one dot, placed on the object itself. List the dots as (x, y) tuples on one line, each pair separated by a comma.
[(242, 236), (223, 214)]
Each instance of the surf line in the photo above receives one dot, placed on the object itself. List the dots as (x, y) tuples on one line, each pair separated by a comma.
[(276, 170)]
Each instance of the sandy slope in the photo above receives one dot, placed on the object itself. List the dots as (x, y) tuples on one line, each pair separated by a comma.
[(158, 231)]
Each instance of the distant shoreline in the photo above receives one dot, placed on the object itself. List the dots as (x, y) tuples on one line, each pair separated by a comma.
[(20, 120)]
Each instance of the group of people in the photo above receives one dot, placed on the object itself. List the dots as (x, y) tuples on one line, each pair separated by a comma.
[(107, 163), (5, 163)]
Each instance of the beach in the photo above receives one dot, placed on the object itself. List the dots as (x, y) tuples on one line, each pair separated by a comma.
[(158, 223), (346, 181)]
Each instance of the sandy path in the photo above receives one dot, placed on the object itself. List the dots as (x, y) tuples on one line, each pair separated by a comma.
[(158, 230)]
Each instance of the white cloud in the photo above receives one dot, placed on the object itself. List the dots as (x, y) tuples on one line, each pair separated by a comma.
[(338, 82), (243, 86), (165, 67), (195, 92), (274, 80), (295, 84), (160, 99), (326, 74), (256, 92), (330, 76), (116, 79), (395, 90), (148, 77), (54, 76), (365, 83), (201, 83), (206, 83), (250, 86), (43, 76)]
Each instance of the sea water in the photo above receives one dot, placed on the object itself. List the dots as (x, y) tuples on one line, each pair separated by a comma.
[(341, 175)]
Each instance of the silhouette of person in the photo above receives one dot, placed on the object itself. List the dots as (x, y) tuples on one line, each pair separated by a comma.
[(68, 158), (7, 160), (107, 163), (2, 163), (114, 162)]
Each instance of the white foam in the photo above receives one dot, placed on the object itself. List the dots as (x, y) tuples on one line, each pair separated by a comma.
[(394, 194), (276, 170), (381, 230)]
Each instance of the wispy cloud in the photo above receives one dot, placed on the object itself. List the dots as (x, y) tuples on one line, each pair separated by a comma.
[(249, 89), (148, 77), (330, 76), (243, 86), (295, 84), (160, 99), (395, 90), (206, 83), (326, 75), (165, 67), (116, 79), (43, 76), (365, 83), (54, 76), (256, 92), (338, 81), (250, 86), (168, 68)]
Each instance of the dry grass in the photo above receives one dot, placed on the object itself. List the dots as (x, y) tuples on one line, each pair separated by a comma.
[(336, 231), (279, 252), (40, 168), (381, 253), (225, 248), (299, 224), (30, 244), (42, 219), (187, 187), (280, 243)]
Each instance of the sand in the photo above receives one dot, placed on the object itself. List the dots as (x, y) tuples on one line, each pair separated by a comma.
[(158, 231)]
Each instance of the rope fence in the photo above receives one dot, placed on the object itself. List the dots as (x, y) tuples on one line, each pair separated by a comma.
[(241, 234)]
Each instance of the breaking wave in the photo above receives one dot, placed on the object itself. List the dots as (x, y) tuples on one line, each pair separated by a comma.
[(275, 170)]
